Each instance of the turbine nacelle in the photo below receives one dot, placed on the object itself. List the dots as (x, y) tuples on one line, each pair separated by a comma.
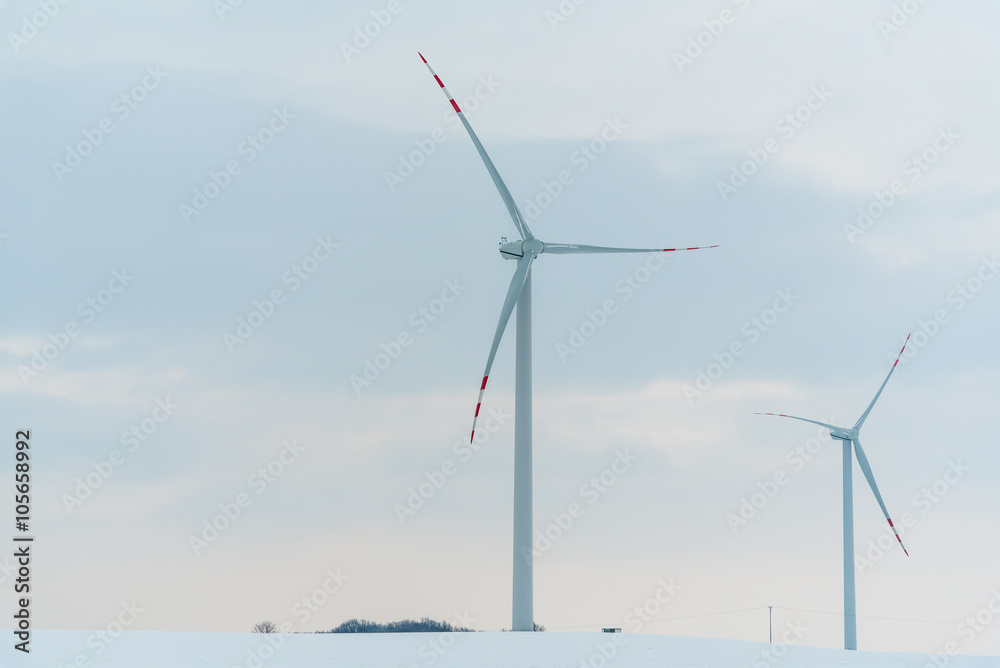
[(843, 434), (515, 250)]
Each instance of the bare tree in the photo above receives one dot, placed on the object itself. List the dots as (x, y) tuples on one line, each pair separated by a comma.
[(265, 627)]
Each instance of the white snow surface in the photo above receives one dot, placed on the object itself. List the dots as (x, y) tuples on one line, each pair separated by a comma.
[(148, 649)]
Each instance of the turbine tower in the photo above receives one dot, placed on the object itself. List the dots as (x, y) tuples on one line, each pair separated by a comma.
[(848, 438), (524, 252)]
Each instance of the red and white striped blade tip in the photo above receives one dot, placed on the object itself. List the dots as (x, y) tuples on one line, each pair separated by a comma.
[(671, 250), (898, 537), (902, 349), (479, 405)]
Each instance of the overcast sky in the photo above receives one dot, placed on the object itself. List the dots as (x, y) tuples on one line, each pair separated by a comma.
[(171, 169)]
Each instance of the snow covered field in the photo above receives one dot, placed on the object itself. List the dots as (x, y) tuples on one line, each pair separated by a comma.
[(141, 649)]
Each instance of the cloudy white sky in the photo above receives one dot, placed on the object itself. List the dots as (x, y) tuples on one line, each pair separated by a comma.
[(338, 122)]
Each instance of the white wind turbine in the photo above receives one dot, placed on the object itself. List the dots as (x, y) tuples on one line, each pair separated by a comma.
[(849, 438), (524, 251)]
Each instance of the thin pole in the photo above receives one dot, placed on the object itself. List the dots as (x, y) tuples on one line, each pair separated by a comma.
[(770, 636), (850, 611), (523, 595)]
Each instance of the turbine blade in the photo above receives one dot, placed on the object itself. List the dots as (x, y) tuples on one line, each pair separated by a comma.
[(515, 213), (792, 417), (864, 416), (578, 249), (513, 292), (867, 470)]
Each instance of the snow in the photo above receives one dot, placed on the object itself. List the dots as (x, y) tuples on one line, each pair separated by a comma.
[(146, 649)]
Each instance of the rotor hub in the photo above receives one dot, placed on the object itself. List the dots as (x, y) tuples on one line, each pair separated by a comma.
[(533, 246)]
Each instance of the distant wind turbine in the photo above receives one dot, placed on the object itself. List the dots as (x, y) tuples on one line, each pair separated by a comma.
[(849, 437), (524, 251)]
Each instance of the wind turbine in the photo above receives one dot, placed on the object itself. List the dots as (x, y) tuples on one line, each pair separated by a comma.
[(524, 252), (849, 437)]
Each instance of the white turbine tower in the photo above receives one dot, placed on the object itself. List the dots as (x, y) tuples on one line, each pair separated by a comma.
[(849, 437), (524, 251)]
